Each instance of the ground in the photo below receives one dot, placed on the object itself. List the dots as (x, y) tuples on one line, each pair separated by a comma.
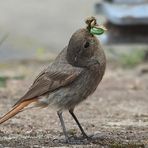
[(116, 113)]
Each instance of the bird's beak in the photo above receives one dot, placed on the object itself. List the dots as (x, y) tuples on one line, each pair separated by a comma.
[(102, 27), (98, 30)]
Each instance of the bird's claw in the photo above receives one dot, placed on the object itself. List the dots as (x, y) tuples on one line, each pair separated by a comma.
[(74, 140)]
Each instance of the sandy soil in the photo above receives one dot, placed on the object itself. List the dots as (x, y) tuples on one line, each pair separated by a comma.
[(117, 115)]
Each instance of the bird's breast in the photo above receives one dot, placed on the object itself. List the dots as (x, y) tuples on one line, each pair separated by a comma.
[(69, 96), (91, 79)]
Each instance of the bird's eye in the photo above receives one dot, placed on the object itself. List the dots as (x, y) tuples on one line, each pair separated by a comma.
[(86, 45)]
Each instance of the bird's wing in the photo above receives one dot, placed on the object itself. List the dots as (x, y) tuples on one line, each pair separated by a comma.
[(51, 79)]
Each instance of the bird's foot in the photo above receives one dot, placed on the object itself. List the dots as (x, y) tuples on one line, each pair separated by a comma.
[(73, 140), (78, 140), (88, 137), (63, 141)]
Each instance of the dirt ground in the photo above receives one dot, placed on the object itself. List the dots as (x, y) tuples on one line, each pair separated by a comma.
[(117, 113)]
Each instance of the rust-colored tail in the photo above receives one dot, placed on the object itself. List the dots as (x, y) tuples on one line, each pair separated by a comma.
[(15, 110)]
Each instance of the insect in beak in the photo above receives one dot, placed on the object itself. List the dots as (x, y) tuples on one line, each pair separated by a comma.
[(97, 30)]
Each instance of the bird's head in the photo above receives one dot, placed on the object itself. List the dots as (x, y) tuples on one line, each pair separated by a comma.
[(83, 46)]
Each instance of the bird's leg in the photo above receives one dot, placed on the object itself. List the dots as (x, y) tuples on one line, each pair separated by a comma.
[(79, 125), (63, 125)]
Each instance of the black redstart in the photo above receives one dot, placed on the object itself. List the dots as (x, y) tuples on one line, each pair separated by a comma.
[(70, 78)]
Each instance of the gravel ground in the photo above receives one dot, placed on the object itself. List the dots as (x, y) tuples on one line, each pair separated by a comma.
[(116, 114)]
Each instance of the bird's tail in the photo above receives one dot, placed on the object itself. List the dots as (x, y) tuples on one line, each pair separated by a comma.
[(16, 109)]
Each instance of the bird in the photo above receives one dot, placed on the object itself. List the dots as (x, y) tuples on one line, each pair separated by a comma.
[(70, 78)]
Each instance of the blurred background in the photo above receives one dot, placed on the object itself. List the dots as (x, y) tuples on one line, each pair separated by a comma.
[(34, 29), (33, 32), (39, 26), (39, 30)]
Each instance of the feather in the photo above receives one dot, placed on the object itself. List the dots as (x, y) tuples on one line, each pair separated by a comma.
[(16, 109)]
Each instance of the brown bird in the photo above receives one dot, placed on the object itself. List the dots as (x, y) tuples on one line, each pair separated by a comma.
[(70, 78)]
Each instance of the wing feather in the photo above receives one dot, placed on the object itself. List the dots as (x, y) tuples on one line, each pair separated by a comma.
[(51, 79)]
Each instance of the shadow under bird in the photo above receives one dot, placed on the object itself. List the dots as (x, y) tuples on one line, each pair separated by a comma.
[(70, 78)]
